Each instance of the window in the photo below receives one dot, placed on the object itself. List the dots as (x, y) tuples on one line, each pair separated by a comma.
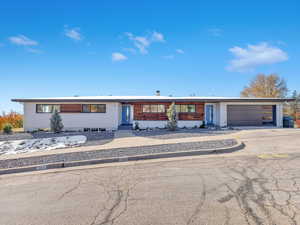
[(94, 108), (191, 108), (43, 108), (153, 108), (186, 108), (146, 109), (183, 108), (160, 108)]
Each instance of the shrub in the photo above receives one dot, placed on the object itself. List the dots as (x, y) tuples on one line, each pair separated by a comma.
[(202, 125), (13, 118), (136, 126), (56, 124), (173, 117), (7, 128)]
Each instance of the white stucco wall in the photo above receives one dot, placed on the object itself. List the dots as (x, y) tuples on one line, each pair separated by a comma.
[(120, 114), (223, 111), (73, 121), (143, 124)]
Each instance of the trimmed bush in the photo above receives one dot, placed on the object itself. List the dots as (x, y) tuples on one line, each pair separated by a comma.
[(56, 124), (173, 117), (136, 126), (7, 128), (202, 125)]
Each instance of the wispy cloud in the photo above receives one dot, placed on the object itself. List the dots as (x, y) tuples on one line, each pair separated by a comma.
[(247, 59), (73, 33), (179, 51), (22, 40), (33, 50), (117, 56), (142, 43), (216, 32), (130, 50), (168, 57)]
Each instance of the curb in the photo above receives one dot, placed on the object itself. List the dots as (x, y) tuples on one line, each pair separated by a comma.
[(237, 147)]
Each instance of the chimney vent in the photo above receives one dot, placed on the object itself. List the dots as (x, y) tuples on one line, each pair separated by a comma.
[(157, 93)]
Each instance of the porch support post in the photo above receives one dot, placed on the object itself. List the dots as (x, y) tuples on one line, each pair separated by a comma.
[(279, 115), (223, 114)]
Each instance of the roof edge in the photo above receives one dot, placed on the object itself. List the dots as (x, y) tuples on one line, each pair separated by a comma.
[(193, 99)]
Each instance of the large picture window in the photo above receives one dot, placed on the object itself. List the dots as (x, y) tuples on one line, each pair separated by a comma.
[(94, 108), (153, 108), (44, 108), (182, 108)]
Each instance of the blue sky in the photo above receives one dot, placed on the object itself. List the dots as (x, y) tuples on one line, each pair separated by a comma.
[(207, 48)]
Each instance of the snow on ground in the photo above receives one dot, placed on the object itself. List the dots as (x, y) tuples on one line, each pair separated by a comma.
[(41, 144)]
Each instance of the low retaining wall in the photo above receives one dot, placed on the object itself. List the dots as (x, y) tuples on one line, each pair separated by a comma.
[(118, 155)]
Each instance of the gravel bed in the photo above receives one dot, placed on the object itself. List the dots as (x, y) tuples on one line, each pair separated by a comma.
[(116, 152), (93, 138), (182, 133)]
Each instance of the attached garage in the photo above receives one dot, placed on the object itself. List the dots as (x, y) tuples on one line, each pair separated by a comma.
[(251, 115)]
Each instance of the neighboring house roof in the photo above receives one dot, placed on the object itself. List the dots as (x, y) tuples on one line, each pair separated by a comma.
[(149, 99)]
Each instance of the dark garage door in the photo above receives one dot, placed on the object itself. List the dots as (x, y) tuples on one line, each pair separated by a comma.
[(250, 115)]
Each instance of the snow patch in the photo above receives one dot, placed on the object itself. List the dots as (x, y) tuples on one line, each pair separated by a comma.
[(41, 144)]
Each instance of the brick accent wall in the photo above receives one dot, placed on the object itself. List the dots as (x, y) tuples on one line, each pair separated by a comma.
[(139, 115)]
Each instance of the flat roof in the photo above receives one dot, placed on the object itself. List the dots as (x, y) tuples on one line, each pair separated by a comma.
[(149, 99)]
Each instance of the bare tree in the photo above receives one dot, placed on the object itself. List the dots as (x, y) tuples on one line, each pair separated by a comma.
[(266, 86), (293, 108)]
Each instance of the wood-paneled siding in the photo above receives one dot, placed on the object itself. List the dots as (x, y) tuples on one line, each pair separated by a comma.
[(70, 108), (139, 115)]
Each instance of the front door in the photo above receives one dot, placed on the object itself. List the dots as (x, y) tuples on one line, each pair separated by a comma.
[(209, 114), (126, 114)]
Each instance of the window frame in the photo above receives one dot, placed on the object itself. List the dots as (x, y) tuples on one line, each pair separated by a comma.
[(90, 107), (157, 107), (37, 105)]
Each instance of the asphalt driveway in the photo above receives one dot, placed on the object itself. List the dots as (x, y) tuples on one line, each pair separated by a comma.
[(260, 186)]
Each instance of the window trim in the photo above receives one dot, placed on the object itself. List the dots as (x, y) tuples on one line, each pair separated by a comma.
[(150, 108), (36, 108), (90, 108)]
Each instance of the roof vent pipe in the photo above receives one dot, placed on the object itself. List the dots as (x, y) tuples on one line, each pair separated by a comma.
[(157, 93)]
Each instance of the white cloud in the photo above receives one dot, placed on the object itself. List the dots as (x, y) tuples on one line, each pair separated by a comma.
[(22, 40), (179, 51), (142, 43), (74, 33), (247, 59), (117, 56), (157, 37), (216, 32)]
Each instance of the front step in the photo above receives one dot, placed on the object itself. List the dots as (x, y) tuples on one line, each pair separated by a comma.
[(125, 127), (123, 134)]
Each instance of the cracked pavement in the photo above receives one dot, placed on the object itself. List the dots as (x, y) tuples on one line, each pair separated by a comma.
[(235, 189)]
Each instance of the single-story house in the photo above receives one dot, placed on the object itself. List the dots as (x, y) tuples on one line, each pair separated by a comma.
[(110, 112)]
